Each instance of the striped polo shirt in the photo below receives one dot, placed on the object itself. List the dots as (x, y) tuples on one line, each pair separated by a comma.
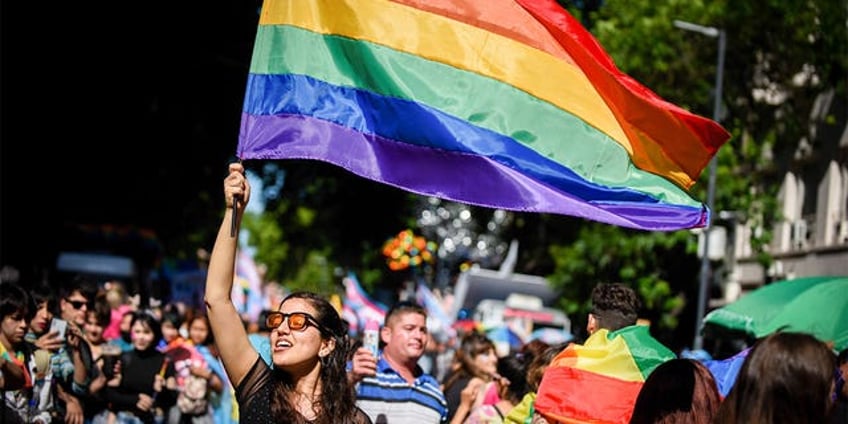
[(387, 398)]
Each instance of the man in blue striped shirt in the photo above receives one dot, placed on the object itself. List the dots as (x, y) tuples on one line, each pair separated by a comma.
[(392, 388)]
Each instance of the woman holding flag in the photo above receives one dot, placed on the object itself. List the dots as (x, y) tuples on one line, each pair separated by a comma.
[(307, 380)]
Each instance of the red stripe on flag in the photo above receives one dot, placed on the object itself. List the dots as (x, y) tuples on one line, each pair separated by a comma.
[(583, 396)]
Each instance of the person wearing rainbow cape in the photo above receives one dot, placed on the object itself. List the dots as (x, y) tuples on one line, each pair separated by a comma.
[(599, 380)]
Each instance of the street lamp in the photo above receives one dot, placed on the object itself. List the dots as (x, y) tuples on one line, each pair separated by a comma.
[(705, 259)]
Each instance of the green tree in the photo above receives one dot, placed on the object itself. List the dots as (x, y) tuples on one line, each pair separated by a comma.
[(320, 221), (780, 56)]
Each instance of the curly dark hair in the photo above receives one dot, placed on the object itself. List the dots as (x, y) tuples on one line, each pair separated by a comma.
[(338, 398), (615, 306)]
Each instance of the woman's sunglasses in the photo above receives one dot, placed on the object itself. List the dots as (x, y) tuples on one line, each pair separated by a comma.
[(298, 321)]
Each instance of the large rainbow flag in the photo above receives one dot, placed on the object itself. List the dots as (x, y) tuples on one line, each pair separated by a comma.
[(506, 104), (598, 382)]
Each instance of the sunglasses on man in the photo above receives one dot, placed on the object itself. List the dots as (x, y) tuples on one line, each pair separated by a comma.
[(298, 321), (77, 304)]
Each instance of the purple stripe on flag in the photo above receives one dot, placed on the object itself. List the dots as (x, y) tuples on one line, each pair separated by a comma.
[(421, 125), (449, 175)]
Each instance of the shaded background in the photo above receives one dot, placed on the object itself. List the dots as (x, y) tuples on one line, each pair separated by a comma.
[(117, 113)]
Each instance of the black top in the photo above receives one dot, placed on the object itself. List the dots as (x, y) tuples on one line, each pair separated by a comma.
[(253, 395), (138, 372), (453, 395)]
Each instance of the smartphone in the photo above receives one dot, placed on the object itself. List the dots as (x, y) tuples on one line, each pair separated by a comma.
[(59, 325), (371, 337)]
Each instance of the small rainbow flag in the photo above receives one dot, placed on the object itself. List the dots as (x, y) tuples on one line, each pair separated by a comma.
[(598, 382), (506, 104)]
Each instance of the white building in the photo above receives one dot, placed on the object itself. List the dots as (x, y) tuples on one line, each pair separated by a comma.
[(812, 238)]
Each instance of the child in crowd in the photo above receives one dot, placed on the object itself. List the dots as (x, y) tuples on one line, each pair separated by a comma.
[(220, 390)]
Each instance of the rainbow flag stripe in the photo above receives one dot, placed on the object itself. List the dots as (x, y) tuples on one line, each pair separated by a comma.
[(500, 103), (599, 381)]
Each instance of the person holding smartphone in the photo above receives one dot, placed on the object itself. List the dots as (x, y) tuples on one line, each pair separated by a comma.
[(41, 332), (72, 364), (46, 341), (59, 327), (391, 386)]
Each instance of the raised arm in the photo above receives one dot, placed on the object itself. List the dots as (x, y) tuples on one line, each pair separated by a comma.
[(237, 354)]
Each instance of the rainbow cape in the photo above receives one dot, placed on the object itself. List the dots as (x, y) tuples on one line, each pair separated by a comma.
[(506, 104), (523, 412), (599, 381)]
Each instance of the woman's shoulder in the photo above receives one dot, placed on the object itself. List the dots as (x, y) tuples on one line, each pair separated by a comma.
[(458, 381), (258, 377)]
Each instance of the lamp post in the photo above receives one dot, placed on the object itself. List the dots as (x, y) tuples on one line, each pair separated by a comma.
[(703, 287)]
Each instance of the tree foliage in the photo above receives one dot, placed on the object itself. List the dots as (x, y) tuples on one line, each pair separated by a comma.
[(780, 55), (320, 221)]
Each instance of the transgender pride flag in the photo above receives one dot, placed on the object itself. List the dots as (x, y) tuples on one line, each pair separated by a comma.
[(358, 301), (438, 321), (506, 104), (247, 293)]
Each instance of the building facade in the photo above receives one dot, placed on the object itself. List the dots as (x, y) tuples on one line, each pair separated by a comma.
[(812, 237)]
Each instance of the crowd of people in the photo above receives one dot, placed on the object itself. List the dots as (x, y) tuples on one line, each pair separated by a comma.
[(86, 354)]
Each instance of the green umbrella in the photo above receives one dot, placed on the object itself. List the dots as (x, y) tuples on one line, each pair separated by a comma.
[(815, 305)]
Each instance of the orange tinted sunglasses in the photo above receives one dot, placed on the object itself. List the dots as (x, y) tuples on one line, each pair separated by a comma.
[(298, 321)]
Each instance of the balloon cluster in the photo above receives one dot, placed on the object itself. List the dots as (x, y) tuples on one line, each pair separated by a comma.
[(407, 249)]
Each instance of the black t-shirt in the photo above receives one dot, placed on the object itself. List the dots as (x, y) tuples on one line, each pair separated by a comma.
[(453, 395), (138, 373)]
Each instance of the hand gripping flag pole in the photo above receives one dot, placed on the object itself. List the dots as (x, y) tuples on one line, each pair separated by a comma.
[(233, 221)]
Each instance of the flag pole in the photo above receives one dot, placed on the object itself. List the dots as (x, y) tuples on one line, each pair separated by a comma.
[(233, 221)]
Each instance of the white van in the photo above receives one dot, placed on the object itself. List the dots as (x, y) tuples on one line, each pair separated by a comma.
[(524, 314)]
